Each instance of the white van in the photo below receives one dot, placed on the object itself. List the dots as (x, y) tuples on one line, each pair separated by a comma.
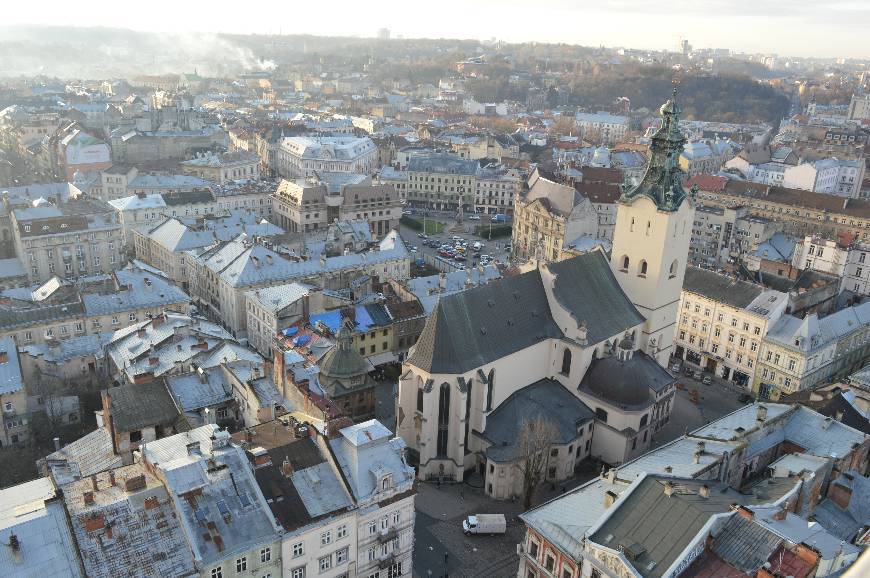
[(484, 524)]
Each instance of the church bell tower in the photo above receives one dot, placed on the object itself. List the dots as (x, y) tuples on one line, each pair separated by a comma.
[(651, 238)]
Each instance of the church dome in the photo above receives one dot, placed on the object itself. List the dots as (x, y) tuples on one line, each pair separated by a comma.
[(626, 382)]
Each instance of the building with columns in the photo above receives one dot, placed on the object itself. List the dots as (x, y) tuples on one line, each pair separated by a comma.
[(580, 343)]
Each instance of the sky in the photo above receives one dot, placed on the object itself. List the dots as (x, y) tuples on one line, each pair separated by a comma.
[(823, 28)]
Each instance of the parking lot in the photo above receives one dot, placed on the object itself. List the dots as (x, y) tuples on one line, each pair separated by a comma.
[(496, 249)]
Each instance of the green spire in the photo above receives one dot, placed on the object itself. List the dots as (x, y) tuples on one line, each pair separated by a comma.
[(663, 180)]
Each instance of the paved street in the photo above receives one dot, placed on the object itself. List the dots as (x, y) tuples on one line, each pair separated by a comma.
[(714, 401)]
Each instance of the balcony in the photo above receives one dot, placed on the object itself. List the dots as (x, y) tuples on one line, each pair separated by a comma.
[(388, 534)]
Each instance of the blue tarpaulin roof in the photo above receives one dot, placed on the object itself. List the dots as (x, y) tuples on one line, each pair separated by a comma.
[(301, 340), (331, 319), (290, 331)]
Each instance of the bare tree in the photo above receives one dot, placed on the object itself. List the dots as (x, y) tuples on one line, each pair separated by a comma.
[(534, 442)]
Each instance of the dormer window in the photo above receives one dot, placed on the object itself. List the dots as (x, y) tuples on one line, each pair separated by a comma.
[(386, 483)]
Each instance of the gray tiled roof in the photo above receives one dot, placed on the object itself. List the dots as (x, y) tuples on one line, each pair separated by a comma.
[(585, 285), (135, 406), (720, 288), (469, 329), (546, 399), (626, 383), (745, 545), (10, 370)]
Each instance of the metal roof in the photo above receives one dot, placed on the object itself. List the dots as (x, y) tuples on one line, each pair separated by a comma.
[(46, 546)]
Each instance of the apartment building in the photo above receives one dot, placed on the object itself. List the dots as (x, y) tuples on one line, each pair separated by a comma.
[(222, 276), (602, 126), (552, 217), (172, 245), (144, 211), (253, 196), (798, 354), (13, 397), (843, 258), (69, 239), (60, 311), (317, 202), (495, 187), (276, 308), (722, 323), (441, 181), (797, 212), (222, 168), (721, 234), (302, 156), (763, 471)]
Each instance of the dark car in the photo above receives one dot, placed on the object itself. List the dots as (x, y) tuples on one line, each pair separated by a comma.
[(744, 398)]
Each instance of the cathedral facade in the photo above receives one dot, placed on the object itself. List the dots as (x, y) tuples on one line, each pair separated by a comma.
[(580, 343)]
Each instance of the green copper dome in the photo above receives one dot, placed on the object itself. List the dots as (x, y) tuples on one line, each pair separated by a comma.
[(663, 180)]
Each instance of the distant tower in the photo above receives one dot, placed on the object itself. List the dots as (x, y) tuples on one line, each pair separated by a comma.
[(685, 47), (651, 238), (383, 34)]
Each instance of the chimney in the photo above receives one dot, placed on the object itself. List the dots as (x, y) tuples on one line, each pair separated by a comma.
[(153, 361), (609, 498), (761, 414), (839, 415), (56, 444), (4, 356), (611, 476), (192, 448), (696, 458), (704, 491), (669, 488), (94, 482), (112, 477), (269, 259), (780, 514), (746, 513), (669, 469), (249, 436), (89, 498), (286, 468), (582, 333), (140, 332), (701, 447)]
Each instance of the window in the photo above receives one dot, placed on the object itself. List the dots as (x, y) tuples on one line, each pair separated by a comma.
[(549, 562), (341, 556), (567, 571), (325, 563), (265, 554), (385, 523), (241, 564), (625, 262), (326, 538), (641, 270), (533, 549), (217, 572), (566, 362), (397, 515), (341, 532), (601, 414), (298, 549), (373, 527)]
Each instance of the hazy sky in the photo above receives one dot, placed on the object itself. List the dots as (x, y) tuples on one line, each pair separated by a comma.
[(786, 27)]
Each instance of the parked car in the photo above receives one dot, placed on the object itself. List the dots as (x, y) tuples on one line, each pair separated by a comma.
[(675, 368), (456, 238), (445, 253), (413, 249), (706, 380), (498, 218), (698, 375), (474, 218), (687, 370), (407, 212), (459, 257), (484, 524)]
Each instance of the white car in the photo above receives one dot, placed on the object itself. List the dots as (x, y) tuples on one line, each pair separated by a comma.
[(413, 249), (474, 218)]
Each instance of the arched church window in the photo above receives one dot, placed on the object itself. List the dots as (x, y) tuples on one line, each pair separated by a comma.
[(673, 270), (631, 226), (489, 387), (648, 227), (443, 418), (641, 269), (625, 262), (566, 362), (420, 399)]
